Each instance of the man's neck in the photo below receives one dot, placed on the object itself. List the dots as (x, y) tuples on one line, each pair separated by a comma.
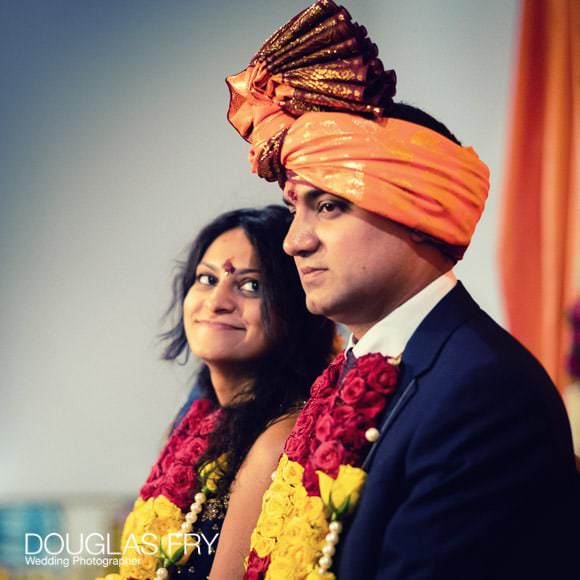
[(390, 335), (359, 329)]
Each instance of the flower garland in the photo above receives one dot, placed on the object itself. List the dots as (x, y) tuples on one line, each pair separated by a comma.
[(154, 536), (318, 482)]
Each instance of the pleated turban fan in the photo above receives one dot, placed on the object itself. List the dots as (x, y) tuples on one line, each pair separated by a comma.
[(315, 100)]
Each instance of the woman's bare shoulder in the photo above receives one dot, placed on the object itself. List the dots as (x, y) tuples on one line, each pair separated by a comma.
[(272, 439)]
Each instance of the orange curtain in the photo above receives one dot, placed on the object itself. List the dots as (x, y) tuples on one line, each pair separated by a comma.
[(539, 238)]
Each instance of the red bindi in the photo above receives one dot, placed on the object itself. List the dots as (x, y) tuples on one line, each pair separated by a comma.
[(228, 267)]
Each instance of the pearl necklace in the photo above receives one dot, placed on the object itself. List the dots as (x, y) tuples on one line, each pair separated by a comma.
[(335, 527), (191, 517)]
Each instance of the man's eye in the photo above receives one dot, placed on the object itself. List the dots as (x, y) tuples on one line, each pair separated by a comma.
[(327, 206), (251, 286), (206, 279)]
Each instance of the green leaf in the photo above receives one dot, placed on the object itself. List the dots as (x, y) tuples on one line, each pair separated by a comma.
[(177, 556)]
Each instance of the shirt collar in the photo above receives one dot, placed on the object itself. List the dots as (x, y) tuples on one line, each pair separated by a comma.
[(390, 335)]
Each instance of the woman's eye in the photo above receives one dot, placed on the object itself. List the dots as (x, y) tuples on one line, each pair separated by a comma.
[(206, 279), (250, 286)]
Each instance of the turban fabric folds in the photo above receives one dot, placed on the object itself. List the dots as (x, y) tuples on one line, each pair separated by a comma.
[(327, 121), (400, 170)]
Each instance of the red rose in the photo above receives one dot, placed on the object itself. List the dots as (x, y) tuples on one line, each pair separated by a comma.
[(310, 481), (191, 449), (383, 380), (351, 458), (179, 484), (201, 406), (324, 391), (354, 425), (207, 424), (296, 448), (325, 428), (353, 437), (256, 566), (352, 390), (297, 443), (155, 475), (306, 419), (322, 387), (148, 490), (343, 415), (167, 460), (328, 457), (371, 404)]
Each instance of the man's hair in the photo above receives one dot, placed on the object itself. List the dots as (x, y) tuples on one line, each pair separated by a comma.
[(412, 114)]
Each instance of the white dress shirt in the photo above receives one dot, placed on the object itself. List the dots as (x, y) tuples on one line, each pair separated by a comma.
[(390, 335)]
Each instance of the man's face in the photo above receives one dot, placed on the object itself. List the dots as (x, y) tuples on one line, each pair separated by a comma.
[(354, 265)]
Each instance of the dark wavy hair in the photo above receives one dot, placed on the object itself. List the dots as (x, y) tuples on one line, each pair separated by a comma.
[(406, 112), (302, 344)]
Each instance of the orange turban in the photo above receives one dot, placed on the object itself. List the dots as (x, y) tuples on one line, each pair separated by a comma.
[(397, 169)]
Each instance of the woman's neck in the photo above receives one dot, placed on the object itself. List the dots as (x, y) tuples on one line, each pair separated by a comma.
[(229, 381)]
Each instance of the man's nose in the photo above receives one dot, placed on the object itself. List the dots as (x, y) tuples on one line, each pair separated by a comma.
[(222, 298), (301, 238)]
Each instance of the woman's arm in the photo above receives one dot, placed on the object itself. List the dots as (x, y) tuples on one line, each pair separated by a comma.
[(252, 480)]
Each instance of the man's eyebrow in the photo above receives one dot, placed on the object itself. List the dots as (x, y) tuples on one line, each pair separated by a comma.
[(310, 196)]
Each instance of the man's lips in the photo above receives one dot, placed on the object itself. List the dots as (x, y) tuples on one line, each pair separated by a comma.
[(218, 325), (308, 270)]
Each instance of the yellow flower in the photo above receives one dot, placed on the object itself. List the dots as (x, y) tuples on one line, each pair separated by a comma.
[(277, 489), (144, 570), (272, 527), (282, 463), (212, 472), (110, 577), (292, 472), (343, 492), (281, 568), (298, 493), (305, 556), (312, 509), (144, 514), (262, 545), (277, 506), (165, 509), (314, 575), (296, 531), (143, 528)]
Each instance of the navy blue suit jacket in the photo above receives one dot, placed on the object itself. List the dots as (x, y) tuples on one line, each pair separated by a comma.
[(473, 476)]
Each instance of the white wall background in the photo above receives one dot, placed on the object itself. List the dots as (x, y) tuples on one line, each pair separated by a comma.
[(114, 150)]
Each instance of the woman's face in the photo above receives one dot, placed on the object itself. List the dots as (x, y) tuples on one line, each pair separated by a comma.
[(222, 310)]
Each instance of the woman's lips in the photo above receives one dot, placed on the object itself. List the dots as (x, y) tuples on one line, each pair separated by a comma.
[(219, 325)]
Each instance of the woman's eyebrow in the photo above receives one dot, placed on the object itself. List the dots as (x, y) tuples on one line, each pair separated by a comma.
[(248, 271), (242, 271)]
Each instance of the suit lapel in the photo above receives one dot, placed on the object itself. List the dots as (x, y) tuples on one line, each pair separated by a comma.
[(422, 351)]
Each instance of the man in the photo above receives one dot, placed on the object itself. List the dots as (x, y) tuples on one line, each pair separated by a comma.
[(471, 472)]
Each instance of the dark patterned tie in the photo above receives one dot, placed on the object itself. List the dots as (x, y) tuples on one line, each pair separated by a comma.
[(349, 364)]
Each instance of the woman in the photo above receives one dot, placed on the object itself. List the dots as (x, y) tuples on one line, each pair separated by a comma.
[(240, 310)]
